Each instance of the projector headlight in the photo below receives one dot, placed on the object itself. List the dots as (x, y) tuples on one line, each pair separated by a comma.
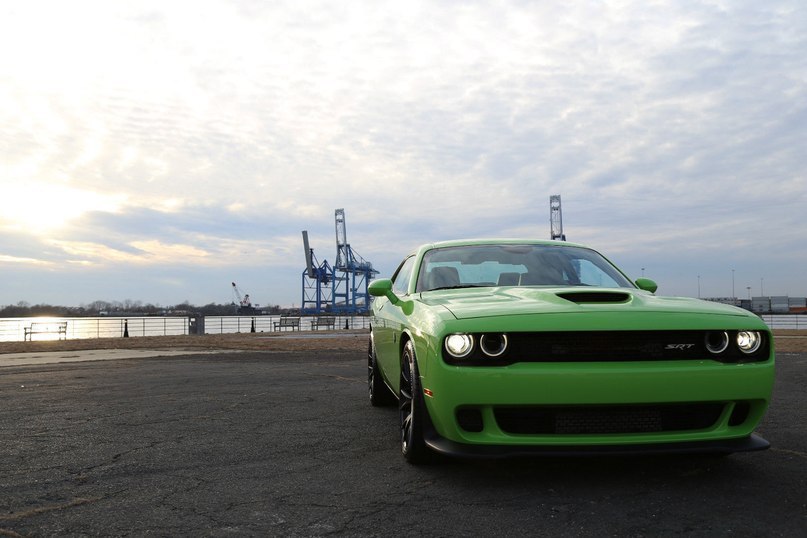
[(493, 345), (459, 345), (717, 341), (749, 341)]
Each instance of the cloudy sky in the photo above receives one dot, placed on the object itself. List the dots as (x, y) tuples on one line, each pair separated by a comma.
[(159, 150)]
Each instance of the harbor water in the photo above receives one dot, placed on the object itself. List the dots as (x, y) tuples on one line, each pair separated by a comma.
[(14, 329)]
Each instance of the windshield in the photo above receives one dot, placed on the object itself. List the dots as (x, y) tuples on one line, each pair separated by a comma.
[(516, 265)]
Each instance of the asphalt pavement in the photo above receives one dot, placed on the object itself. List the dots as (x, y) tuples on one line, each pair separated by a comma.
[(285, 444)]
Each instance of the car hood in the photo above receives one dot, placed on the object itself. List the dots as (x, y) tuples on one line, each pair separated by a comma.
[(469, 303)]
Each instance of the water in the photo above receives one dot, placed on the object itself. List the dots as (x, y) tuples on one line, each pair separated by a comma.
[(13, 329)]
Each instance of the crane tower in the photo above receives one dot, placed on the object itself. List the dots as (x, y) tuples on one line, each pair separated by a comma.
[(354, 296), (555, 218), (242, 301)]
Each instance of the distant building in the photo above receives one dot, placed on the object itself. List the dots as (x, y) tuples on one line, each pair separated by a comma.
[(797, 305), (760, 305)]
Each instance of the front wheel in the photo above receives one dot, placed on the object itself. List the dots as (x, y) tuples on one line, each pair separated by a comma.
[(411, 410)]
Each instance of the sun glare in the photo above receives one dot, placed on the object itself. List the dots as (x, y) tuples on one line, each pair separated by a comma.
[(46, 328), (38, 207)]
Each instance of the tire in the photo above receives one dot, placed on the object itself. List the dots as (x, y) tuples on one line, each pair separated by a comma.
[(380, 395), (411, 410)]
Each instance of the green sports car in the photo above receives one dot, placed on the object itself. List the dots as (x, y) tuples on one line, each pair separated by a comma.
[(522, 347)]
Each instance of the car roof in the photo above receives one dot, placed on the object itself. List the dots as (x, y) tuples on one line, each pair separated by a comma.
[(494, 241)]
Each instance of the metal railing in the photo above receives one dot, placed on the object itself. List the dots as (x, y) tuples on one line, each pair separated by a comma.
[(240, 324), (784, 321), (13, 329)]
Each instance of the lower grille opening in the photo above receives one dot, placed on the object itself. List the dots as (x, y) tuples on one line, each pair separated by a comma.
[(579, 420), (740, 413), (470, 420)]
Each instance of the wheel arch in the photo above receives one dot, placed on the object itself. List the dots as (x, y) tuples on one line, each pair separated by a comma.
[(422, 348), (406, 336)]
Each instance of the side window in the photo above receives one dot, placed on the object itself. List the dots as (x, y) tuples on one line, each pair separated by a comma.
[(400, 282)]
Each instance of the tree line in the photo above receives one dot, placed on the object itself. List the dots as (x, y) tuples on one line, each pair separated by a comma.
[(127, 307)]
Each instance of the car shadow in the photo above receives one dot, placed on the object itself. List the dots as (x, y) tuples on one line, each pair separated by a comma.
[(574, 471)]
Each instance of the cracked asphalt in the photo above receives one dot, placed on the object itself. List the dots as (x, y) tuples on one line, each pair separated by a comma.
[(285, 444)]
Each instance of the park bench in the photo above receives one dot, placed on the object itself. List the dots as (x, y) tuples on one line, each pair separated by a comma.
[(329, 322), (45, 327), (287, 322)]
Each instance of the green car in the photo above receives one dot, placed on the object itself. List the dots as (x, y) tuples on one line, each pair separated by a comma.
[(524, 347)]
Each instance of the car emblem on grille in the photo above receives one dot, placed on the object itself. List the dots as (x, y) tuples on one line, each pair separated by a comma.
[(679, 346)]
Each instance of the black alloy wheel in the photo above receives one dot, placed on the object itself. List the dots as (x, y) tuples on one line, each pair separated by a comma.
[(411, 410)]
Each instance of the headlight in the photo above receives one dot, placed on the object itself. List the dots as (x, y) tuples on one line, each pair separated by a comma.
[(749, 341), (459, 345), (717, 341), (493, 345)]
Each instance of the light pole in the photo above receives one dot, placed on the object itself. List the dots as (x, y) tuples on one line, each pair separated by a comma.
[(749, 292), (642, 271), (761, 287), (733, 295), (699, 286)]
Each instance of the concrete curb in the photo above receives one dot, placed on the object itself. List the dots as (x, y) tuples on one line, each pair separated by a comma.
[(56, 357)]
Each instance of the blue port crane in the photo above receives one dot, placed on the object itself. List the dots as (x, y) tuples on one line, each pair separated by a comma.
[(318, 282), (341, 288), (350, 291)]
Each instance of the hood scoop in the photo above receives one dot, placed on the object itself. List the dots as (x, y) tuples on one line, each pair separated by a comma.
[(595, 297)]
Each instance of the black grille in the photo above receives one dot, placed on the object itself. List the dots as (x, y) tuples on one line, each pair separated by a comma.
[(608, 345), (576, 420)]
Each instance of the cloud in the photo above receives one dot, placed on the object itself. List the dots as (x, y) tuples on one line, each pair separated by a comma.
[(212, 133), (4, 259)]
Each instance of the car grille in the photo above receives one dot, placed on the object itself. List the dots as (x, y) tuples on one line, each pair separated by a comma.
[(579, 420), (609, 346)]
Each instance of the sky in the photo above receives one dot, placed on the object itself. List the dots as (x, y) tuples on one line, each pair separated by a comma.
[(157, 151)]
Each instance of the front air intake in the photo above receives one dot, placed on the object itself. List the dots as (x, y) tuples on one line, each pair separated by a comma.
[(608, 420)]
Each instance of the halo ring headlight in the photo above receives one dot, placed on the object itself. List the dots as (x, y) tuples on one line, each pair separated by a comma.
[(459, 345), (749, 341), (493, 345), (717, 341)]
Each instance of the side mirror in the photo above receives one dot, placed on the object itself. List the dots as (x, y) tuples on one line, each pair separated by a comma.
[(383, 288), (646, 284)]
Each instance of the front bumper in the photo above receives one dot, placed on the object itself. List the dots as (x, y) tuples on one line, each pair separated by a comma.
[(737, 396)]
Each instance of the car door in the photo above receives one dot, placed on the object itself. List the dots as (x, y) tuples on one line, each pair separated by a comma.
[(389, 323)]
